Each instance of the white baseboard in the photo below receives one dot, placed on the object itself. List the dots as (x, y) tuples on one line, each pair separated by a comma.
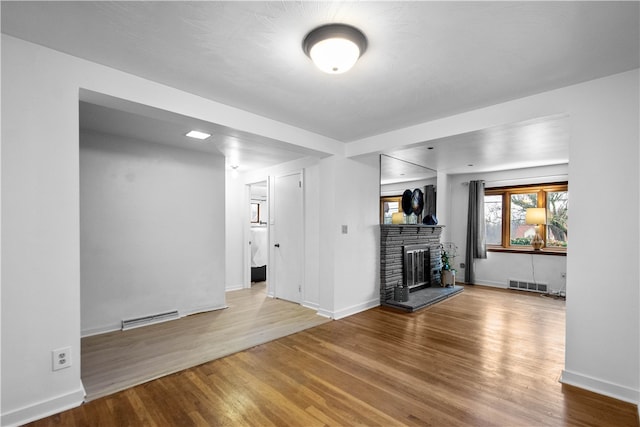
[(354, 309), (237, 287), (325, 313), (595, 385), (43, 409), (203, 309), (100, 330), (493, 284), (311, 305), (118, 326)]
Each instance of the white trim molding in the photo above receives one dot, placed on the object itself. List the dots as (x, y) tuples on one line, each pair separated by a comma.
[(354, 309), (605, 388), (44, 408), (311, 305), (202, 309), (236, 287)]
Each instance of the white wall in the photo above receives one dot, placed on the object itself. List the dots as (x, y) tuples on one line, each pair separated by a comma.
[(602, 347), (151, 230), (341, 271), (312, 212), (0, 220), (40, 234), (236, 227), (443, 205), (40, 219), (499, 267), (236, 209), (356, 254), (40, 209)]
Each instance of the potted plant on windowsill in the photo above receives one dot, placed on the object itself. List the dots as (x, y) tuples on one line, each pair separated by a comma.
[(448, 253)]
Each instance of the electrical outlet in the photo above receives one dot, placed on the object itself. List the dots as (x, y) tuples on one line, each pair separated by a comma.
[(61, 358), (462, 265), (563, 275)]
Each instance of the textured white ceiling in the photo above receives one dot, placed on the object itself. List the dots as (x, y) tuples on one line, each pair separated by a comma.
[(425, 60), (242, 149)]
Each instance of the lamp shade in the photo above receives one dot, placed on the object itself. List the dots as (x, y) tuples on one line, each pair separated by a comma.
[(335, 48), (536, 216), (397, 218)]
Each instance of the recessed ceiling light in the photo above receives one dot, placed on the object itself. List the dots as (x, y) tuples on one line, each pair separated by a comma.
[(470, 164), (198, 135), (335, 48)]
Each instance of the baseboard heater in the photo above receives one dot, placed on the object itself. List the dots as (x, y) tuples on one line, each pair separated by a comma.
[(148, 320), (523, 285)]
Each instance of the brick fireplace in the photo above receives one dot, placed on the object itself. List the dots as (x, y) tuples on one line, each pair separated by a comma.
[(395, 241)]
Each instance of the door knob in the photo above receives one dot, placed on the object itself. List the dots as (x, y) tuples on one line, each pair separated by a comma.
[(277, 245)]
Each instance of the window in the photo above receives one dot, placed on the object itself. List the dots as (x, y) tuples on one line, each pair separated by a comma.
[(557, 216), (389, 206), (505, 210), (493, 218)]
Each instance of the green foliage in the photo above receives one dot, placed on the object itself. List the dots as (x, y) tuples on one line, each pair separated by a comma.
[(521, 241), (448, 253), (556, 244)]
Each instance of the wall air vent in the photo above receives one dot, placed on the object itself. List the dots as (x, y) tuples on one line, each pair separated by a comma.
[(523, 285), (149, 320)]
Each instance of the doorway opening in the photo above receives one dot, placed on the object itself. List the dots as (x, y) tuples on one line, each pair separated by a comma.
[(258, 233)]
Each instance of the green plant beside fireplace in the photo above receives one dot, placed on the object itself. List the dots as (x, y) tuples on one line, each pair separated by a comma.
[(448, 253)]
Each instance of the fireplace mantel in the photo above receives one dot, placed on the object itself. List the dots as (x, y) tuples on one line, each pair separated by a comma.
[(418, 227)]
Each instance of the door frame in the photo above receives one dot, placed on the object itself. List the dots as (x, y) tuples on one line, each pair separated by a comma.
[(247, 233), (271, 277)]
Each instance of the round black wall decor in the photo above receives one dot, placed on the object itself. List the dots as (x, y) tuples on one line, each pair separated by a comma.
[(417, 201), (406, 202)]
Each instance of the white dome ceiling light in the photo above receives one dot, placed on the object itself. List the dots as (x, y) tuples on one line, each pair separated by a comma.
[(335, 48)]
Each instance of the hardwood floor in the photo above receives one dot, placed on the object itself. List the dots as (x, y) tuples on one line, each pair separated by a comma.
[(482, 358), (119, 360)]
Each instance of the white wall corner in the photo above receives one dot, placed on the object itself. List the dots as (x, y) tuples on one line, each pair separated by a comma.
[(43, 409), (311, 305), (326, 313), (605, 388), (89, 332), (354, 309)]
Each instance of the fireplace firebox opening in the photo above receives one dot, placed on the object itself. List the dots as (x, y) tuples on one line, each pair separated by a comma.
[(417, 267)]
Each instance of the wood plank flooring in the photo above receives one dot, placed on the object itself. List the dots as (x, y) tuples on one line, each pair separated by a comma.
[(482, 358), (119, 360)]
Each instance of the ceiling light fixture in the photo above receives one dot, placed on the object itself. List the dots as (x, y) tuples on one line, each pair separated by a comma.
[(198, 135), (334, 48)]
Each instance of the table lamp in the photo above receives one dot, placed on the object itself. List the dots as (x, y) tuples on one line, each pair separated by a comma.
[(537, 217)]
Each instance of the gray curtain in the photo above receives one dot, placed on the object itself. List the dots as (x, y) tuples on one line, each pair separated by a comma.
[(429, 200), (476, 245)]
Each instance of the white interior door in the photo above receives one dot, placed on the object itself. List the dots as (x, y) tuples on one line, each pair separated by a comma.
[(288, 237)]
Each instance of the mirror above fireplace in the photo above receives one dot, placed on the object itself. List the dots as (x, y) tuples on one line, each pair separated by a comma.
[(397, 176)]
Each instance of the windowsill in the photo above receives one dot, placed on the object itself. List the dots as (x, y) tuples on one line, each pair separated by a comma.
[(545, 251)]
